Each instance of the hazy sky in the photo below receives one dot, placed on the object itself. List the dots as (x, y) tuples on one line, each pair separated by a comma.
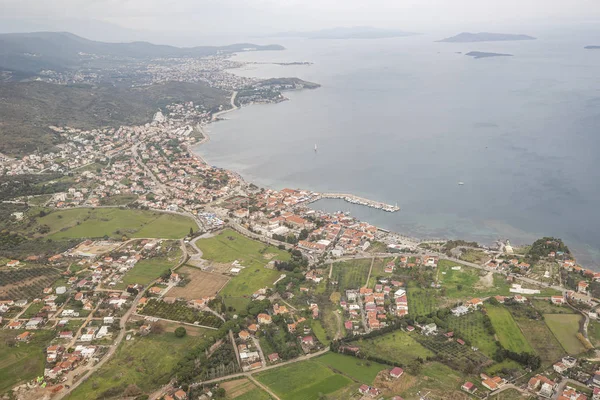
[(235, 17)]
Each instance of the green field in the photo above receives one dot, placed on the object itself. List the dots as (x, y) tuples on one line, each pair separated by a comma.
[(149, 269), (545, 307), (378, 270), (359, 370), (114, 223), (22, 363), (145, 361), (565, 328), (421, 301), (471, 327), (351, 274), (396, 346), (302, 380), (229, 246), (507, 330), (245, 390), (594, 333), (319, 331), (32, 310), (510, 394), (468, 282), (439, 381)]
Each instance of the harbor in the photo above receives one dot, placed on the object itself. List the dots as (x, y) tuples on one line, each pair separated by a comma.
[(350, 198)]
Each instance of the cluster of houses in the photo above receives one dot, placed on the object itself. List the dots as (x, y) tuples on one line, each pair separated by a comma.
[(59, 361)]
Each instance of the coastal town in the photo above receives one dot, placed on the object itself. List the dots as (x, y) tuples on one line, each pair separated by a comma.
[(153, 274)]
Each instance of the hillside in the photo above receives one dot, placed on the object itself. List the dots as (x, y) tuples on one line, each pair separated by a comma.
[(27, 109), (468, 37), (29, 53)]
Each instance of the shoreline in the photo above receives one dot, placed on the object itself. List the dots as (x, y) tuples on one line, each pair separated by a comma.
[(347, 197)]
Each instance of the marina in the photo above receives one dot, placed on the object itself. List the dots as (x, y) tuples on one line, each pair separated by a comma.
[(350, 198)]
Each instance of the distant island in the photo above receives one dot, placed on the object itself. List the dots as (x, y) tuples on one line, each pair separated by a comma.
[(467, 37), (359, 32), (482, 54), (592, 47), (282, 63)]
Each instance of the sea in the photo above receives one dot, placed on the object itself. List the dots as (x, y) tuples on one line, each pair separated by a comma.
[(404, 120)]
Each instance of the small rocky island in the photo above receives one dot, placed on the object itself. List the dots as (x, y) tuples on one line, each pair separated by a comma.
[(483, 54), (592, 47), (468, 37)]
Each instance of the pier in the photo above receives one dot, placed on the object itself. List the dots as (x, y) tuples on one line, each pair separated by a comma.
[(350, 198)]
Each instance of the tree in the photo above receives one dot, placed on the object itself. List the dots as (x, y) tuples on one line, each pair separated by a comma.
[(180, 332), (191, 231)]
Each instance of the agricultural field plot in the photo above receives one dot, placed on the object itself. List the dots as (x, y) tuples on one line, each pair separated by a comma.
[(507, 330), (471, 327), (546, 307), (594, 332), (229, 246), (378, 270), (459, 356), (149, 269), (179, 311), (302, 380), (474, 256), (319, 332), (26, 282), (114, 223), (421, 301), (359, 370), (469, 282), (32, 310), (565, 328), (439, 381), (511, 394), (144, 361), (238, 291), (201, 284), (22, 363), (397, 347), (243, 389), (351, 274)]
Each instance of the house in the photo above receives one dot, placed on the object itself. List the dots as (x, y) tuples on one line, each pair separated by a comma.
[(66, 335), (264, 319), (15, 325), (308, 341), (429, 329), (469, 387), (474, 303), (396, 372), (520, 299), (557, 300), (559, 367), (274, 357), (253, 328), (582, 287), (596, 379), (569, 361), (13, 263), (546, 390), (348, 325), (24, 337), (180, 395), (244, 335), (500, 299), (109, 320), (460, 310), (490, 384)]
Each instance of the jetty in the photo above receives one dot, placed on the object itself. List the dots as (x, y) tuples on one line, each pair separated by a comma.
[(350, 198)]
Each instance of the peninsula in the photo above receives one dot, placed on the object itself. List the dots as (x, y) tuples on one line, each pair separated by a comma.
[(468, 37), (483, 54)]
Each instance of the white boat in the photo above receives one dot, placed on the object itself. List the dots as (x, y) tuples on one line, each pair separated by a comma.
[(460, 183), (315, 147)]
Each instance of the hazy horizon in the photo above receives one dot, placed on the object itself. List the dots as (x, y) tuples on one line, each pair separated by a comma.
[(191, 23)]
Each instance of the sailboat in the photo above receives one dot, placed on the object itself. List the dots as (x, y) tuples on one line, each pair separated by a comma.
[(315, 147)]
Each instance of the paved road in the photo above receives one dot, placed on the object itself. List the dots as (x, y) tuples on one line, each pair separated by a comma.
[(113, 348)]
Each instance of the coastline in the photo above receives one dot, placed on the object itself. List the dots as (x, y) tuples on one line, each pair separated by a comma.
[(348, 197)]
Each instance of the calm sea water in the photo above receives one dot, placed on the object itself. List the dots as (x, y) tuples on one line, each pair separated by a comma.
[(404, 120)]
